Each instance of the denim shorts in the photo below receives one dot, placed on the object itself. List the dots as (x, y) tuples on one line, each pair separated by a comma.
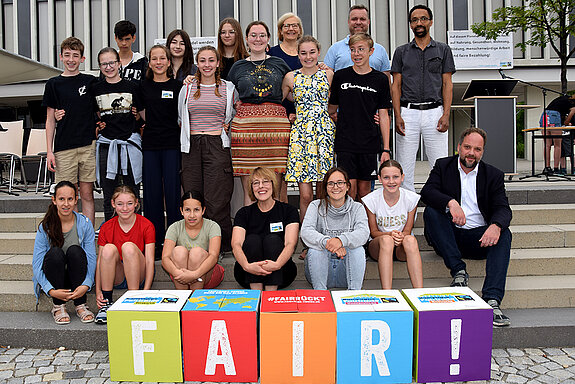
[(553, 119)]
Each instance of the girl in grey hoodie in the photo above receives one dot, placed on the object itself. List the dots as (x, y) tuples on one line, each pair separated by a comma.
[(335, 229)]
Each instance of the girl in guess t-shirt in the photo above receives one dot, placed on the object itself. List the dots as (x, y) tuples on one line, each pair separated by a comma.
[(126, 254), (391, 214)]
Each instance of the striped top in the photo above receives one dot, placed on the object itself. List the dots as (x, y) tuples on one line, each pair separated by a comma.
[(208, 112)]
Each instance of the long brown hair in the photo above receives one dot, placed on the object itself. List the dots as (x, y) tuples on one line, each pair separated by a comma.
[(188, 59), (240, 51), (323, 191), (198, 75), (51, 222)]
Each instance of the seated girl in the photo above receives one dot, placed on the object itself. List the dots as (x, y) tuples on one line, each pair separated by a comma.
[(391, 214), (126, 255), (335, 229), (265, 235), (192, 247), (64, 258)]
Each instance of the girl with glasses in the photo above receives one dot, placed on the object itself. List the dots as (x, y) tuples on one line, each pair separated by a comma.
[(231, 46), (335, 229)]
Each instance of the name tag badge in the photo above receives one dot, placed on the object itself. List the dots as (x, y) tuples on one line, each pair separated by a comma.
[(167, 95), (276, 227)]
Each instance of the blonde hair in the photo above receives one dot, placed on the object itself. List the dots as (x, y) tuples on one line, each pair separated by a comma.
[(361, 36), (124, 189), (263, 173), (281, 22)]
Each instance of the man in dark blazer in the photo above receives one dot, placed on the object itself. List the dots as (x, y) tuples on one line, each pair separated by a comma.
[(468, 215)]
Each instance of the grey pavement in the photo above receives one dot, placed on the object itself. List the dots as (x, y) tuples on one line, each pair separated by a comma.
[(59, 366)]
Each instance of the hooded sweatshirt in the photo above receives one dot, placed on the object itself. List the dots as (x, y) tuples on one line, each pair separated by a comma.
[(348, 223)]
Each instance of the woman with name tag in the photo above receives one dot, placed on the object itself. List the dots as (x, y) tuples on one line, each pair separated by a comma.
[(192, 247), (161, 143), (64, 260), (265, 236), (206, 106)]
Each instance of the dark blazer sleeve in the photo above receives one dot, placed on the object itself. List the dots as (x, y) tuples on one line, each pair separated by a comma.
[(442, 185), (492, 200)]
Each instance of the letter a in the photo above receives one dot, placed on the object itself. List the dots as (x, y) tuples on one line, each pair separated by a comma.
[(138, 345), (297, 348), (368, 349), (219, 337)]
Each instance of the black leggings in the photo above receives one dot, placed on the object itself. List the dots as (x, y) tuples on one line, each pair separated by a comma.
[(66, 270), (265, 247)]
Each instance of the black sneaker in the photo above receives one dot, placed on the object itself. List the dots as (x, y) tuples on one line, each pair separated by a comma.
[(499, 319), (461, 279), (547, 171)]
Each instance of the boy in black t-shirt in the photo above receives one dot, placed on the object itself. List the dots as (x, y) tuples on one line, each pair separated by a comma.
[(357, 94), (71, 139), (134, 64)]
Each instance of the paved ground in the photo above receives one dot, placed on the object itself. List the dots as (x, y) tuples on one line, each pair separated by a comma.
[(26, 365)]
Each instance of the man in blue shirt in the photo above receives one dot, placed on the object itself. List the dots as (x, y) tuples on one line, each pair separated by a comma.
[(338, 56)]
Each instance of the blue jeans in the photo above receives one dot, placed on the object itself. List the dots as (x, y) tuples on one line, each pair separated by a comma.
[(325, 270), (451, 243)]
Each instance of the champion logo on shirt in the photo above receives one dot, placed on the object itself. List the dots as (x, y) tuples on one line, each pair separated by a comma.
[(360, 87)]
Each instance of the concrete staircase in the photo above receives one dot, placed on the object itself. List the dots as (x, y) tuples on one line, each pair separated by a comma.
[(541, 273)]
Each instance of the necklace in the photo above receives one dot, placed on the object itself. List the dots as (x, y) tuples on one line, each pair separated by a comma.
[(260, 64)]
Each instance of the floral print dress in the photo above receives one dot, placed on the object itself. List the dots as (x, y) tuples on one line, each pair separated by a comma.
[(312, 135)]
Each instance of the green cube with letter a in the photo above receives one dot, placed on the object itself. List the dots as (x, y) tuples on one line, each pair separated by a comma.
[(144, 338)]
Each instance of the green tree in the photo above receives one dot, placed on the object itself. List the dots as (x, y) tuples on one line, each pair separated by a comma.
[(549, 22)]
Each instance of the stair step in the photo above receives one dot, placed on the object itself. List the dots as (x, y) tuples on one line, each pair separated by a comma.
[(521, 291), (29, 222)]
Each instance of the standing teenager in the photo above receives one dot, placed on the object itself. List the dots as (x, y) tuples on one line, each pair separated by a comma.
[(161, 143), (119, 144), (64, 259), (231, 46), (181, 53)]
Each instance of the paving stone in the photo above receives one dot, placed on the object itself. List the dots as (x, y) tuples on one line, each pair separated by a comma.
[(534, 351), (23, 357), (516, 379), (499, 353), (548, 379), (101, 354), (6, 366), (15, 380), (572, 369), (66, 368), (78, 381), (83, 353), (77, 374), (24, 372), (47, 352), (80, 360), (6, 358), (561, 374), (43, 370), (564, 360), (14, 351), (515, 352), (503, 361), (6, 374), (53, 376), (552, 366), (31, 351), (553, 351), (94, 373), (524, 360), (104, 366), (42, 363), (65, 353), (23, 365), (568, 381), (63, 360), (96, 380), (87, 367), (42, 357), (97, 359), (33, 379), (569, 351), (537, 359), (508, 369), (540, 369), (527, 373)]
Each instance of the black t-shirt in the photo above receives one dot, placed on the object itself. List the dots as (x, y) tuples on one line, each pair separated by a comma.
[(261, 83), (275, 220), (114, 102), (160, 100), (359, 97), (135, 71), (73, 95), (227, 63)]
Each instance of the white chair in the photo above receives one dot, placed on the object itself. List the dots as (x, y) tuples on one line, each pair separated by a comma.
[(36, 151), (11, 151)]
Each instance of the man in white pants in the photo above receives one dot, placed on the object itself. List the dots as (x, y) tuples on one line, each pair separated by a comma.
[(421, 92)]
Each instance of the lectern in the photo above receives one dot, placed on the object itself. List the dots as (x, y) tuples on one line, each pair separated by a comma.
[(495, 114)]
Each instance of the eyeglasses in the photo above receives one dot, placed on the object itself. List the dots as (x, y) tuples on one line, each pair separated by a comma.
[(358, 50), (258, 183), (108, 64), (256, 35), (232, 32), (423, 19), (332, 184), (288, 26)]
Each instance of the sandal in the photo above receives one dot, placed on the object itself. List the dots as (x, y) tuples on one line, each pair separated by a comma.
[(60, 314), (85, 315)]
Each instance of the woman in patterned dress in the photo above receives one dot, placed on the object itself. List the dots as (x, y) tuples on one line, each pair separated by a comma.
[(310, 153)]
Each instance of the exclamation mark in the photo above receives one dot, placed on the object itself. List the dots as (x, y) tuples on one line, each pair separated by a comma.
[(455, 343)]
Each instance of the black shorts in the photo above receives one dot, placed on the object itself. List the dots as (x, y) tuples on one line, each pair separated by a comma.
[(566, 144), (360, 166)]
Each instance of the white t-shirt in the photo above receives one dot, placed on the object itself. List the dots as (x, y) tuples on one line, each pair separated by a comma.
[(394, 217)]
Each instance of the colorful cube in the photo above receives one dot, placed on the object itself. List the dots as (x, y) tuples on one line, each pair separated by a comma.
[(374, 337), (453, 334), (297, 337), (144, 341), (220, 339)]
